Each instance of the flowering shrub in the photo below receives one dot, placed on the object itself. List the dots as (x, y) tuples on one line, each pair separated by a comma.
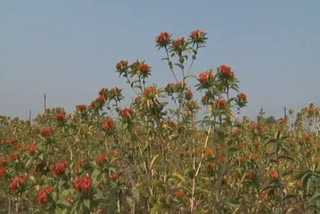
[(159, 154)]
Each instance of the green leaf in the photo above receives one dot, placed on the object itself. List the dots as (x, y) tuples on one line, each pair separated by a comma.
[(41, 157), (202, 191), (306, 182), (36, 211), (274, 186), (29, 163), (233, 149), (290, 196), (63, 204), (95, 174), (158, 184), (285, 157), (75, 207), (316, 175), (86, 203), (178, 177), (156, 208), (269, 141), (232, 203), (179, 65), (190, 76), (315, 197), (99, 197), (136, 194), (301, 174)]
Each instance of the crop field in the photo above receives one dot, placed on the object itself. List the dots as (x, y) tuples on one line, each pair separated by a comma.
[(169, 151)]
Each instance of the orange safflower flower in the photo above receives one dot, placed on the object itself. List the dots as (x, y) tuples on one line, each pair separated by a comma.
[(206, 76), (274, 175), (163, 39)]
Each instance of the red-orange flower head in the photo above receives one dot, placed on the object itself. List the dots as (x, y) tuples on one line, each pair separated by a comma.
[(253, 157), (19, 148), (220, 104), (180, 194), (251, 176), (205, 100), (103, 91), (115, 176), (83, 184), (13, 141), (144, 68), (226, 71), (307, 139), (3, 161), (115, 90), (93, 103), (149, 91), (109, 124), (299, 184), (126, 112), (61, 116), (169, 88), (17, 182), (32, 149), (205, 77), (180, 86), (122, 66), (163, 39), (222, 159), (274, 175), (211, 165), (115, 94), (101, 99), (70, 200), (60, 168), (236, 133), (81, 107), (102, 159), (179, 45), (198, 36), (209, 152), (43, 195), (240, 159), (179, 42), (116, 154), (46, 132), (188, 94), (3, 171), (242, 97)]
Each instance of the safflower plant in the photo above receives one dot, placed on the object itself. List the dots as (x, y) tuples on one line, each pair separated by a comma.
[(161, 153)]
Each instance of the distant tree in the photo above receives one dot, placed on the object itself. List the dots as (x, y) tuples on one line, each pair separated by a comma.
[(271, 119)]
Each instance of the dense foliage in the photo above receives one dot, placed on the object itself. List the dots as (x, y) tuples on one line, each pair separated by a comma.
[(157, 155)]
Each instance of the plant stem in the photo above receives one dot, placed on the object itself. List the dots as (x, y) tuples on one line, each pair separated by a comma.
[(132, 87), (198, 170), (170, 65), (193, 59)]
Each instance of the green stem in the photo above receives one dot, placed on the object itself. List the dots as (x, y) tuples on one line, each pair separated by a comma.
[(170, 64), (132, 87), (193, 59)]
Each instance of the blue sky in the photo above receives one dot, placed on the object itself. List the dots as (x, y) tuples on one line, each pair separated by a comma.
[(68, 49)]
